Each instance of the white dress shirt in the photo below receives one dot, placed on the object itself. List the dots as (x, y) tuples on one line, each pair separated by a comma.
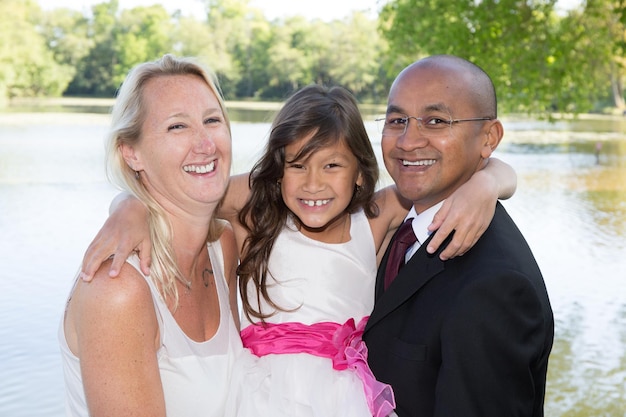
[(420, 227)]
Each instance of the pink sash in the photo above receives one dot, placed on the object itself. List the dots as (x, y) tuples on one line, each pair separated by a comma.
[(341, 343)]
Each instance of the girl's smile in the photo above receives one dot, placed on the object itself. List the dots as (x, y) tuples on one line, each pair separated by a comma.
[(318, 188)]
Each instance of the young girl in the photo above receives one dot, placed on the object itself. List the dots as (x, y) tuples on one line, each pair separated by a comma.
[(309, 228)]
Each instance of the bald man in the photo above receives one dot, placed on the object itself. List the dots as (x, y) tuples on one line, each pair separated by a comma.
[(468, 336)]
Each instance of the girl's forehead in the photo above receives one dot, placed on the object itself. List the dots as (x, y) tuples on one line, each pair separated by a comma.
[(315, 146)]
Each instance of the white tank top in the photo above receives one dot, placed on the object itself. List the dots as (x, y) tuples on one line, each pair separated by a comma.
[(195, 375)]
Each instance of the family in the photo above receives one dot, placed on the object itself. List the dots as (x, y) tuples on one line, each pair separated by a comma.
[(299, 288)]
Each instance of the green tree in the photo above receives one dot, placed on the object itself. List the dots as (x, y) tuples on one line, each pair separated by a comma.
[(618, 80), (353, 57), (27, 66), (121, 39), (603, 47), (95, 71), (141, 34), (513, 40), (67, 34), (228, 23), (289, 65), (540, 61), (192, 38), (253, 57), (589, 60)]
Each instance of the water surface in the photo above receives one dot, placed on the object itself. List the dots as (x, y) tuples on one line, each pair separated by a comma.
[(570, 205)]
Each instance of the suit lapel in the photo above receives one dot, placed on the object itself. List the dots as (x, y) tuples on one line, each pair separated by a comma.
[(420, 269)]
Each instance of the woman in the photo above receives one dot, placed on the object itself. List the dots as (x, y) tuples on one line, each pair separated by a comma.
[(162, 344)]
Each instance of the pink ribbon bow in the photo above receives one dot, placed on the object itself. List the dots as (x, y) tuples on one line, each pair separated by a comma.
[(341, 343)]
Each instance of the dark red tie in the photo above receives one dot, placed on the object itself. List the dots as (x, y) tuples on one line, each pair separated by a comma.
[(405, 238)]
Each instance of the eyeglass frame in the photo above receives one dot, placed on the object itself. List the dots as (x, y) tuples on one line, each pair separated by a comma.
[(420, 124)]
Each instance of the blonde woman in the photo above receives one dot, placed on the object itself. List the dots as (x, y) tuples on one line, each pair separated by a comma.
[(162, 344)]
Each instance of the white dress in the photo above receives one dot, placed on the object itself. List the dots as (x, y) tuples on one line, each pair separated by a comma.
[(313, 282), (195, 375)]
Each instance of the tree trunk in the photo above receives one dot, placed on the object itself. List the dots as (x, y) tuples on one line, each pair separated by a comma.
[(617, 87)]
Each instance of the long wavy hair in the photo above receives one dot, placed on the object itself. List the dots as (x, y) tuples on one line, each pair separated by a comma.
[(332, 116), (127, 117)]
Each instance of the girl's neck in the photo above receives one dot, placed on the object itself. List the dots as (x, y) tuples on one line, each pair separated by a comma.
[(336, 231)]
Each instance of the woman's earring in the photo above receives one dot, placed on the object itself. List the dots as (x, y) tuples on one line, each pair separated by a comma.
[(137, 176)]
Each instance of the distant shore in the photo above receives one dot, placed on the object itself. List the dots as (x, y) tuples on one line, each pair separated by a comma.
[(104, 104), (60, 110)]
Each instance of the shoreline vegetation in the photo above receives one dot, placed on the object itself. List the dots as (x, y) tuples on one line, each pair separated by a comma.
[(58, 110), (61, 110), (106, 103)]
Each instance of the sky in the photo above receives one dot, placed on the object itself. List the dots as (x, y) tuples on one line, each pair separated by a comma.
[(322, 9)]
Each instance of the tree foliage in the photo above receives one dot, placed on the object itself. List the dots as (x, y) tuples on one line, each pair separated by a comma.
[(541, 60), (27, 66)]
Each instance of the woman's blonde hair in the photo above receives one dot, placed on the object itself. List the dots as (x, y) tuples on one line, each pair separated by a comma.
[(127, 117)]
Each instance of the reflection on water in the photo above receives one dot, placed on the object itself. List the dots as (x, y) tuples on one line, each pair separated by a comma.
[(587, 378), (570, 205), (573, 214)]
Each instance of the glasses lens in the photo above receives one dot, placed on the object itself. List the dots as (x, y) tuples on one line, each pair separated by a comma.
[(393, 124), (396, 124)]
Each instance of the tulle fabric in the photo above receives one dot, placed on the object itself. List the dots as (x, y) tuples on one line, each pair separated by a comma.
[(294, 385)]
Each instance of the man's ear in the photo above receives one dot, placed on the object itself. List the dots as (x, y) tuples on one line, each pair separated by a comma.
[(492, 139), (131, 157)]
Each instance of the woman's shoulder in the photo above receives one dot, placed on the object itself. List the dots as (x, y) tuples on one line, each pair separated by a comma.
[(107, 304), (128, 290)]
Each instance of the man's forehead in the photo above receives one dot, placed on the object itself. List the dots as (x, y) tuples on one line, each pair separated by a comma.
[(424, 91), (438, 107)]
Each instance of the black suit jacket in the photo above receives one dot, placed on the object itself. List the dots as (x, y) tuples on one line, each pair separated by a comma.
[(466, 337)]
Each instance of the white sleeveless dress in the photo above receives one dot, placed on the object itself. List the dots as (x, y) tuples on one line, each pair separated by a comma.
[(313, 282), (195, 375)]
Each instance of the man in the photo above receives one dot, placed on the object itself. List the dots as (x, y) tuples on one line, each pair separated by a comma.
[(468, 336)]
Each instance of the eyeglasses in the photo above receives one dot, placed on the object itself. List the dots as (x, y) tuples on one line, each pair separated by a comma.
[(395, 124)]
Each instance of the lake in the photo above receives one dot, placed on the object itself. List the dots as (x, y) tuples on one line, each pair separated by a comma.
[(570, 205)]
